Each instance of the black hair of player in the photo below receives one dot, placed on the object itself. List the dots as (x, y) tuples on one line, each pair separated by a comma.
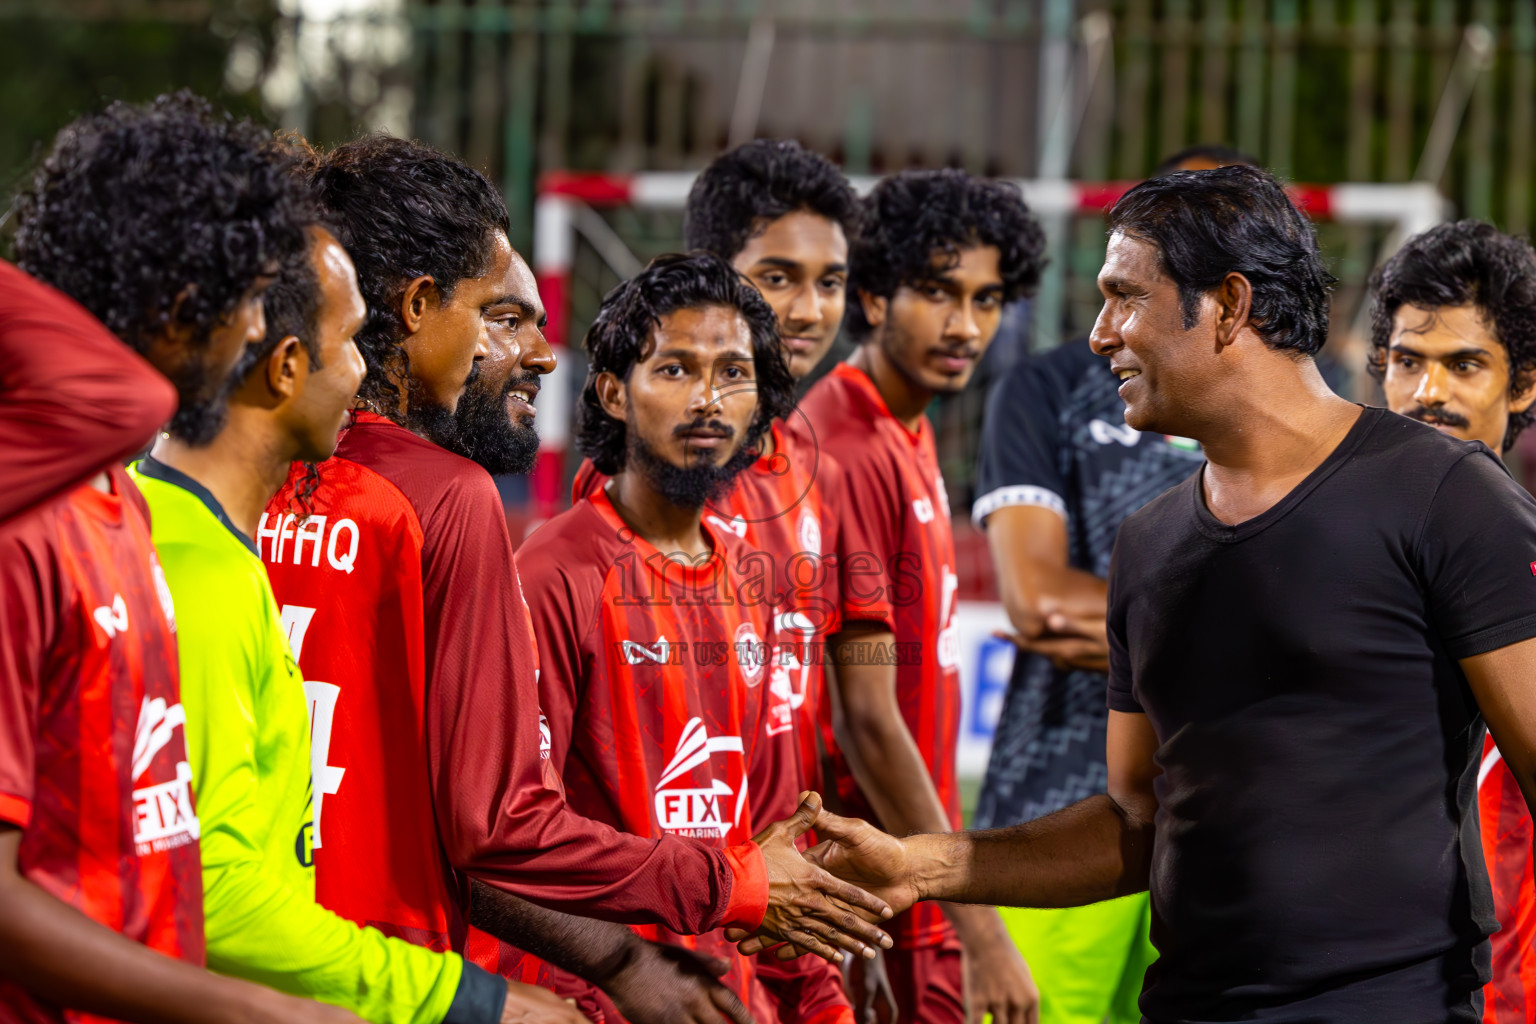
[(621, 336), (166, 211), (291, 306), (1224, 155), (1208, 224), (1454, 265), (915, 223), (404, 210), (743, 191)]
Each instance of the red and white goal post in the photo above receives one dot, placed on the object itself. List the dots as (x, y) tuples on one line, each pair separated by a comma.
[(1410, 208)]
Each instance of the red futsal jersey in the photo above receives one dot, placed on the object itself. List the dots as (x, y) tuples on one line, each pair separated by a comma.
[(662, 698), (1510, 998), (780, 505), (897, 566), (404, 608), (93, 759)]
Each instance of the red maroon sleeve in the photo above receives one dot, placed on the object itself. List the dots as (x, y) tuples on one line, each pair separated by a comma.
[(73, 398), (866, 533), (806, 990), (497, 820), (28, 596)]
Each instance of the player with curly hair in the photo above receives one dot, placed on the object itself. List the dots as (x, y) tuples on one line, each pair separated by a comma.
[(655, 672), (938, 256), (1453, 342), (165, 221)]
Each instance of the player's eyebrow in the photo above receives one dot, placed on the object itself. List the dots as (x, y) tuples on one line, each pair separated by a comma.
[(510, 300), (1461, 353)]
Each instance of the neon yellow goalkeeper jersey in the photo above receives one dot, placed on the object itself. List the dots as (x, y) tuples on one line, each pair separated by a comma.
[(247, 729)]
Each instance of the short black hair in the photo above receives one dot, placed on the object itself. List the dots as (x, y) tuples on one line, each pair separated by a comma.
[(170, 208), (404, 210), (1224, 155), (1238, 219), (914, 217), (292, 308), (1453, 265), (744, 190), (620, 337)]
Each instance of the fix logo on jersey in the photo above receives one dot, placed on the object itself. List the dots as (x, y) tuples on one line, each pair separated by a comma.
[(163, 818), (699, 811)]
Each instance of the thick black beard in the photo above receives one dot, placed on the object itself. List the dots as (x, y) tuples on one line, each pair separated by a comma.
[(199, 418), (690, 487), (487, 433), (430, 421)]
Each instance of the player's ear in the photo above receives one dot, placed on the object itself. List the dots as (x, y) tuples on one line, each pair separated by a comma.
[(1234, 304), (1523, 393), (419, 297), (874, 307), (284, 369), (612, 395)]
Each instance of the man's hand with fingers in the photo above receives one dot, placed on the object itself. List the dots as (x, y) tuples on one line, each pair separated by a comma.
[(529, 1004), (998, 982), (665, 984), (856, 852), (808, 907)]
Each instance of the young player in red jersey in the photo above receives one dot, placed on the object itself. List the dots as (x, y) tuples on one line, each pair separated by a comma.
[(782, 216), (660, 697), (131, 216), (937, 256), (1453, 344), (408, 618)]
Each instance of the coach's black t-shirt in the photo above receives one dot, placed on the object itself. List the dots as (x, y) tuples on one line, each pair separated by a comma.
[(1317, 853)]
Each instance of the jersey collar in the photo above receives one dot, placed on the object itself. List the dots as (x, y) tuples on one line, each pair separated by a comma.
[(157, 470)]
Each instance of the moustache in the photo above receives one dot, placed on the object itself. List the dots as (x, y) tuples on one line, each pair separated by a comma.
[(1443, 417), (703, 426)]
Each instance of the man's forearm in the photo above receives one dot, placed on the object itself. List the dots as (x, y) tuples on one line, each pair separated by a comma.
[(62, 956), (1094, 850), (592, 950)]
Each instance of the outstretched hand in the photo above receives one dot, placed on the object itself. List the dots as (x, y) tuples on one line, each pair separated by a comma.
[(665, 984), (807, 907), (858, 852)]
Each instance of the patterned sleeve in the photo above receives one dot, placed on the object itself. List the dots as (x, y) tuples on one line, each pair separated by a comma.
[(1019, 442)]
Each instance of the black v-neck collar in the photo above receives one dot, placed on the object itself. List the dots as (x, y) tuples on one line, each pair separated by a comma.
[(157, 470)]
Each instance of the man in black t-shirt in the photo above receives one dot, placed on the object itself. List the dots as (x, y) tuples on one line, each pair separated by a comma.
[(1305, 639)]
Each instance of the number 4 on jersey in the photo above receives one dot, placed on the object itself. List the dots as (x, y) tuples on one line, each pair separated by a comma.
[(325, 778)]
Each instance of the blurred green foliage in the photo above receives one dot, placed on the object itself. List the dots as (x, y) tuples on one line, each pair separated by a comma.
[(57, 67)]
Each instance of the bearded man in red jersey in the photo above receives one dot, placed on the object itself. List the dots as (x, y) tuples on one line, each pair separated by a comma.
[(660, 694), (937, 256), (408, 619), (782, 216), (164, 223)]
